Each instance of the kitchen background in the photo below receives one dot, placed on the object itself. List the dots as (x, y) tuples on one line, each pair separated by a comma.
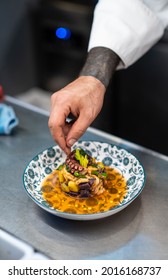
[(36, 61)]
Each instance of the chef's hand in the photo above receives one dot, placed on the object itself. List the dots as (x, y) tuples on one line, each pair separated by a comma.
[(83, 98)]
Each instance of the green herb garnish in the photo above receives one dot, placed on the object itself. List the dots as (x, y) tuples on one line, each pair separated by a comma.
[(60, 167), (95, 172), (104, 174), (81, 156), (67, 168)]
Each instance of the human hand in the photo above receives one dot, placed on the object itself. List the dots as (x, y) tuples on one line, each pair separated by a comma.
[(83, 98)]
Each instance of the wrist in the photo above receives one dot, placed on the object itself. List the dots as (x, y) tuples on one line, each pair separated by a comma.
[(92, 86), (92, 82)]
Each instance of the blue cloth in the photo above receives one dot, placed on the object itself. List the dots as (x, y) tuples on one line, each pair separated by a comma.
[(8, 119)]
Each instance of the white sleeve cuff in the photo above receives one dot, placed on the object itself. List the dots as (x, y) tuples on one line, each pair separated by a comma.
[(128, 27)]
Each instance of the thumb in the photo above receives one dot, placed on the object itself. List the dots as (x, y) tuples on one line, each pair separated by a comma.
[(77, 130)]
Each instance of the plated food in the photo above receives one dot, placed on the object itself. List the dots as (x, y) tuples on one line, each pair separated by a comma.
[(82, 185), (95, 181)]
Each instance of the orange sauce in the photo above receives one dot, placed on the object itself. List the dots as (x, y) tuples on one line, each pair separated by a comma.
[(115, 191)]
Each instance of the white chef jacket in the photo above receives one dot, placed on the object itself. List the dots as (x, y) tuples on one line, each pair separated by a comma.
[(128, 27)]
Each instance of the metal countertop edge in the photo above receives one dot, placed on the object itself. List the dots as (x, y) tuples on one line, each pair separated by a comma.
[(95, 131)]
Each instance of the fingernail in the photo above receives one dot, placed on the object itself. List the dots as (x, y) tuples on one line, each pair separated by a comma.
[(71, 142)]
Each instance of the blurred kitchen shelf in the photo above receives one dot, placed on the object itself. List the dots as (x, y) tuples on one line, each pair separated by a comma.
[(37, 97)]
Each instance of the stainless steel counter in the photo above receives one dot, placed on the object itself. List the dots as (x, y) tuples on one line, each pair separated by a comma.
[(137, 232)]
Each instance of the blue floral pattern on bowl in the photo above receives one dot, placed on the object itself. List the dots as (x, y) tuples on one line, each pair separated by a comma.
[(46, 161)]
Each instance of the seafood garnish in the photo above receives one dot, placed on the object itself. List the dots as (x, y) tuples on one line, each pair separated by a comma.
[(81, 175)]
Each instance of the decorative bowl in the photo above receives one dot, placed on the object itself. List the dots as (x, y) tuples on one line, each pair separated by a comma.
[(48, 160)]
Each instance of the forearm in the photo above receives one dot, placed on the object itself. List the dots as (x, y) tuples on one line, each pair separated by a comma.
[(101, 63)]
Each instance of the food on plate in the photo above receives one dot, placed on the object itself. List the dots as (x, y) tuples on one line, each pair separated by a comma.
[(81, 175), (83, 185)]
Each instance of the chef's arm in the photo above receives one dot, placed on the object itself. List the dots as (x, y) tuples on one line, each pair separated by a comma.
[(129, 28), (101, 63)]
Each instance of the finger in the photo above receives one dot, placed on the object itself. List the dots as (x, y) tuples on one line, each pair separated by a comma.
[(57, 128), (67, 127), (77, 130), (60, 139)]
